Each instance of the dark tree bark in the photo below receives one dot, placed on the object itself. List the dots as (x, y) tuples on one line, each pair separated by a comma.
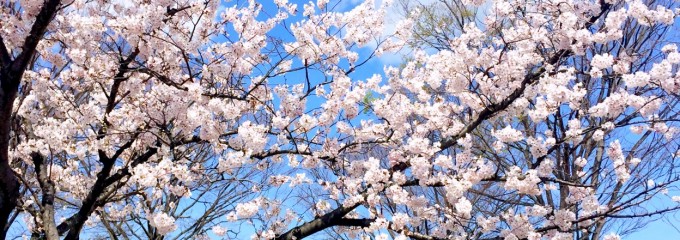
[(9, 185), (333, 218)]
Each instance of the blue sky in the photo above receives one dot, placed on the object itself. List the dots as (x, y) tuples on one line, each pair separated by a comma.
[(661, 228)]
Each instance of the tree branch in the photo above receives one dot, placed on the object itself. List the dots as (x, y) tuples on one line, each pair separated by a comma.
[(5, 57), (18, 66), (48, 194), (330, 219)]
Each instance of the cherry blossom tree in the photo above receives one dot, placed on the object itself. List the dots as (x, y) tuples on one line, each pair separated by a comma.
[(202, 119), (131, 116), (642, 40)]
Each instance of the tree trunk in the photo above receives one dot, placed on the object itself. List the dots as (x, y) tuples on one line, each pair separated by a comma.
[(9, 185)]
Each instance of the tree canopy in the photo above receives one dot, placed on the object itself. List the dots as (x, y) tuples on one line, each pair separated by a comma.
[(205, 119)]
